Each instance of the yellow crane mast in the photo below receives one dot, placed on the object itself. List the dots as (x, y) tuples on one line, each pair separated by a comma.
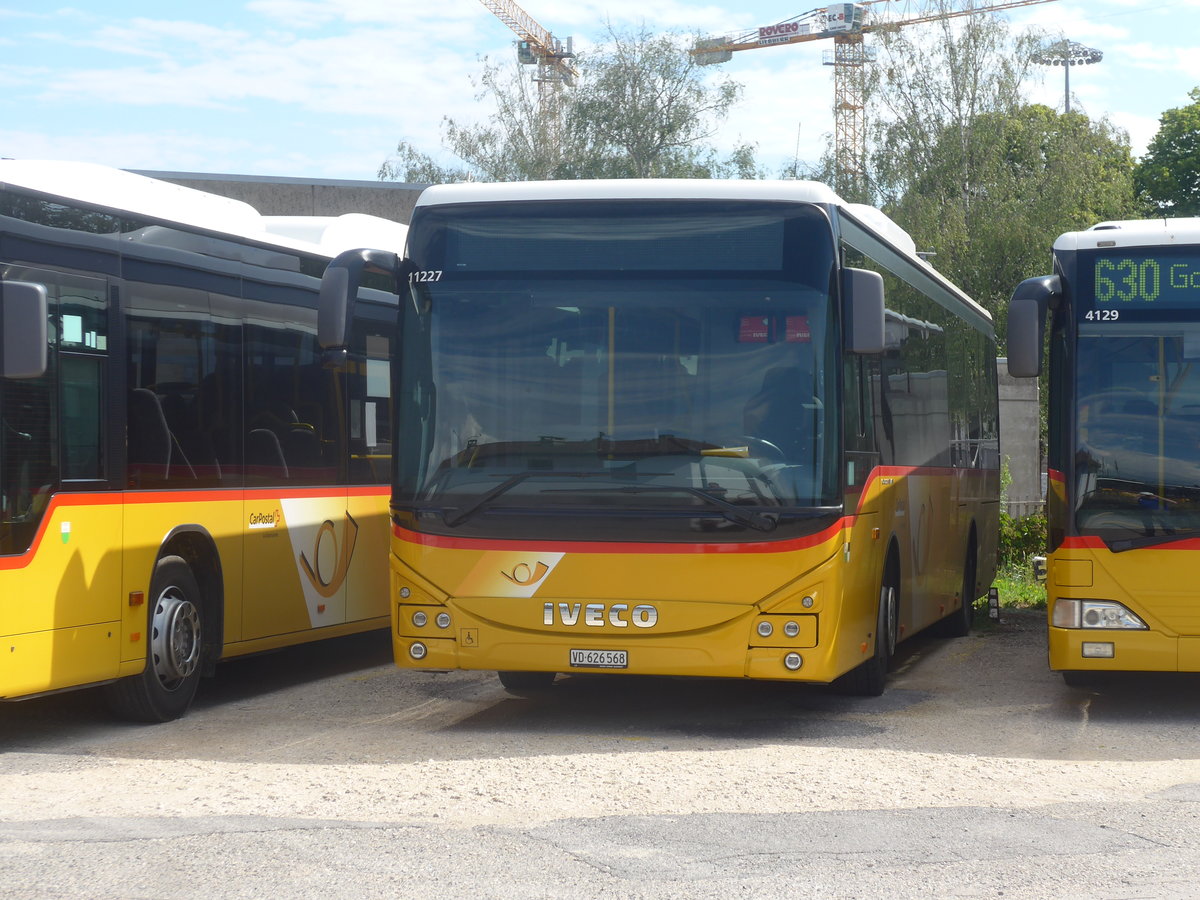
[(846, 24), (537, 46)]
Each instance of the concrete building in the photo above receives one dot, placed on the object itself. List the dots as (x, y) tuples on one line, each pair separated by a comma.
[(273, 196), (1020, 441)]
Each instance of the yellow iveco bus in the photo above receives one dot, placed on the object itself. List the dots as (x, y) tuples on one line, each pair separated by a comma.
[(181, 480), (1123, 507), (670, 427)]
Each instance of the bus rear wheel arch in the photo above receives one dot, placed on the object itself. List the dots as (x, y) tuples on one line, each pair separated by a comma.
[(175, 634), (958, 623)]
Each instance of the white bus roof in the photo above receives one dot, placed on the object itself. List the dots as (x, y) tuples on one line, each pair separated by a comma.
[(1132, 233), (137, 195), (666, 189)]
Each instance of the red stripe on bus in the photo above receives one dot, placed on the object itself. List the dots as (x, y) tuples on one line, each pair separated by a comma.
[(445, 542), (1091, 542), (442, 542), (215, 495)]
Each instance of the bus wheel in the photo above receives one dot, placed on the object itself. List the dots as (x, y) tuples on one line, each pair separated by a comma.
[(958, 623), (870, 678), (526, 682), (1082, 680), (166, 686)]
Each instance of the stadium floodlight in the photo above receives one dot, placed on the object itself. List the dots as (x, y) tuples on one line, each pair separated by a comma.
[(1066, 53)]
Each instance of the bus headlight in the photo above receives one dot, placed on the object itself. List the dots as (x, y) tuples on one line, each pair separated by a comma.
[(1095, 614)]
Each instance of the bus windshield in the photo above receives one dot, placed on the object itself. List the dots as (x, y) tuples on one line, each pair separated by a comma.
[(629, 371), (1138, 431)]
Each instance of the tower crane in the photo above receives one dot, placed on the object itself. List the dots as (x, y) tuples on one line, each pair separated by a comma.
[(846, 24), (537, 47)]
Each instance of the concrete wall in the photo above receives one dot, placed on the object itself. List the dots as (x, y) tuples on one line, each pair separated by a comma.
[(1020, 441), (305, 197)]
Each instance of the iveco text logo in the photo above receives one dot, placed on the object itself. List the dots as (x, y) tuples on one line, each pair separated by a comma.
[(596, 615)]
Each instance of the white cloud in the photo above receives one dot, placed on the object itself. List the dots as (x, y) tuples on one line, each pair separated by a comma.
[(142, 150)]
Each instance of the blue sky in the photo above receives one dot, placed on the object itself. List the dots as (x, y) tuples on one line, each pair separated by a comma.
[(325, 88)]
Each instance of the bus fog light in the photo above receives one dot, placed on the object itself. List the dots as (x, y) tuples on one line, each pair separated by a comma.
[(417, 650), (419, 619), (793, 661), (1098, 650), (443, 620), (807, 602), (765, 629), (791, 629), (405, 593)]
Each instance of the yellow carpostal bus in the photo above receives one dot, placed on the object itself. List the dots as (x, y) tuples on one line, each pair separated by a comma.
[(670, 427), (1123, 506), (181, 480)]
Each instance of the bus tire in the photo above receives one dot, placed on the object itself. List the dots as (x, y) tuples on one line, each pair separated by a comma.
[(526, 682), (958, 623), (870, 678), (174, 649), (1081, 680)]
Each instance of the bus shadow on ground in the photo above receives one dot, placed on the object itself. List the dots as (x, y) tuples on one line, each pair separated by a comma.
[(39, 722), (1158, 698), (720, 710)]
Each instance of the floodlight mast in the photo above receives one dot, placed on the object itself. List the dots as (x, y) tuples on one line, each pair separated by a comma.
[(1066, 53)]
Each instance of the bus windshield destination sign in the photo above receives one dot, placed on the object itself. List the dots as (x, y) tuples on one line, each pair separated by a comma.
[(1123, 281)]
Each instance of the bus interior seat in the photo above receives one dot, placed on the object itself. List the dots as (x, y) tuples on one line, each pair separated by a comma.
[(264, 453), (777, 413), (151, 444)]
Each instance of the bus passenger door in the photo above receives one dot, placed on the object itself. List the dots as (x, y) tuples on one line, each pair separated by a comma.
[(298, 537), (369, 455)]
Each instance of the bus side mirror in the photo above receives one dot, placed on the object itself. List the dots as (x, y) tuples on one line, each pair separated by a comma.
[(23, 308), (339, 288), (862, 298), (1027, 324)]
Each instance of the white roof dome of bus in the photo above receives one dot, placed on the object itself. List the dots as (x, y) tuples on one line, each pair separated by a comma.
[(99, 185), (333, 234), (628, 189), (1132, 233)]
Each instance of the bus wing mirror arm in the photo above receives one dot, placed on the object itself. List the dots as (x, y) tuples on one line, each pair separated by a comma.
[(1027, 324), (863, 315), (339, 288), (23, 330)]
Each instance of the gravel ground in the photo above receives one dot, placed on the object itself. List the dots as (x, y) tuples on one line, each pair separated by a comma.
[(325, 771)]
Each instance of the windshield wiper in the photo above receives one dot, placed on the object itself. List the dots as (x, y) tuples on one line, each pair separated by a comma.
[(730, 511), (1137, 543), (507, 485)]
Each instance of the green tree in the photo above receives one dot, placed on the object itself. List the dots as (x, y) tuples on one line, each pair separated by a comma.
[(1168, 176), (929, 90), (1034, 174), (643, 109), (975, 174)]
